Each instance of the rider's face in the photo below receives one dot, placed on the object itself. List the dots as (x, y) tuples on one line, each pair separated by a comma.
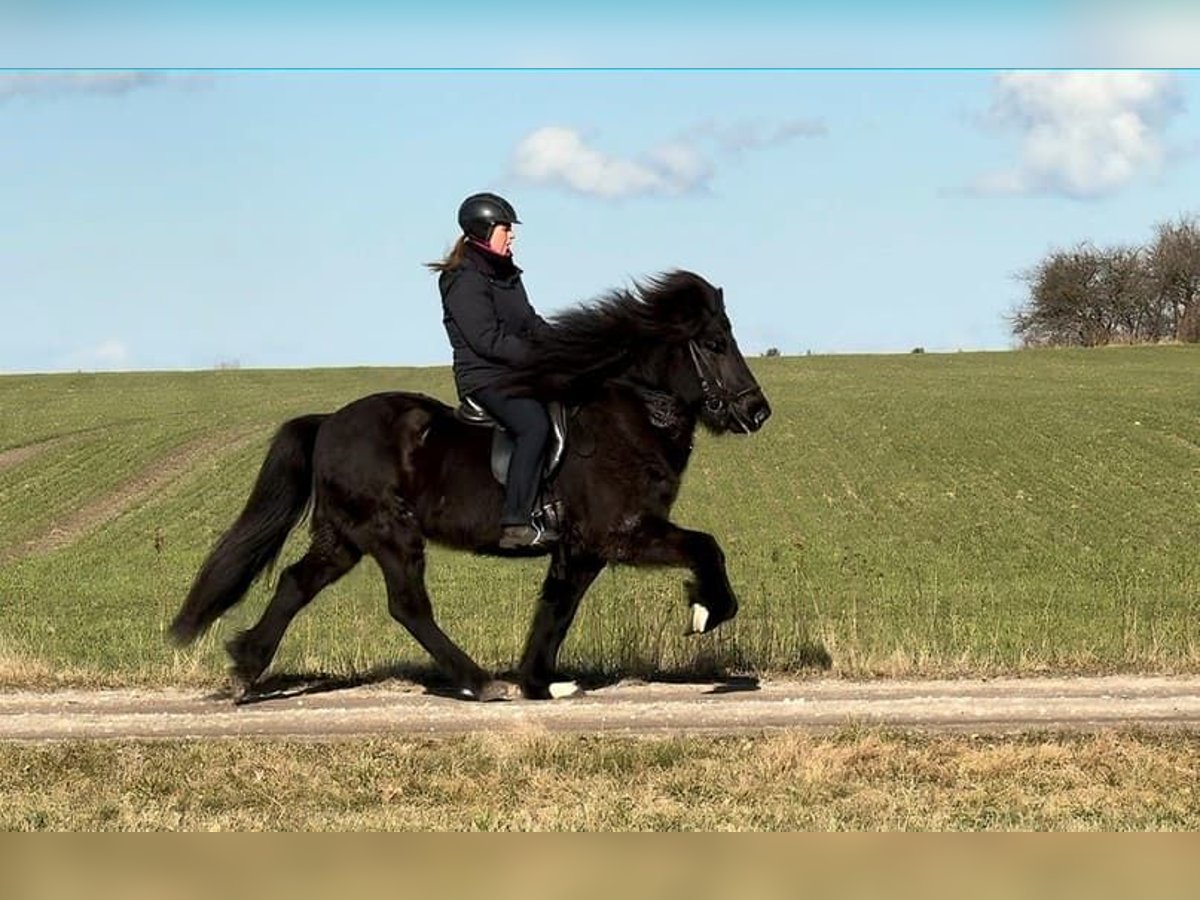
[(501, 239)]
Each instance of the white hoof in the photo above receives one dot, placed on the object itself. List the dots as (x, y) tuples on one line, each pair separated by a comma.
[(562, 689), (699, 618)]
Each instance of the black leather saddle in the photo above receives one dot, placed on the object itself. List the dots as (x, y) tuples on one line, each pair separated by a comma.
[(473, 413)]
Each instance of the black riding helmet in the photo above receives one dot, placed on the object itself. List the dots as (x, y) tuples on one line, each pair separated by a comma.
[(479, 213)]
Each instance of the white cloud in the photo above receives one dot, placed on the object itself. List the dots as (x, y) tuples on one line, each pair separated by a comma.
[(36, 85), (1084, 134), (735, 138), (559, 156), (684, 165), (556, 155)]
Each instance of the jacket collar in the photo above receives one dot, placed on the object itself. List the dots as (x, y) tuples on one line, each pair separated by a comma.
[(490, 264)]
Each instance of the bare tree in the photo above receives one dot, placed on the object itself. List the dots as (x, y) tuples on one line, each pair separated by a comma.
[(1061, 308), (1086, 296), (1124, 292), (1175, 274)]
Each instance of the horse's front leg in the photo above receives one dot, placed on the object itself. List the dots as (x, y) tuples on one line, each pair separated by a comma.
[(654, 541)]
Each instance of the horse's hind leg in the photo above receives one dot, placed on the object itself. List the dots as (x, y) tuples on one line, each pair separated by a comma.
[(569, 577), (401, 557), (328, 559)]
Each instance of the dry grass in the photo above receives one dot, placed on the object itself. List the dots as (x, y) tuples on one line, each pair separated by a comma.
[(855, 780), (17, 667)]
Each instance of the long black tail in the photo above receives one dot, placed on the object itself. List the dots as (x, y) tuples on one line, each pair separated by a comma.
[(276, 503)]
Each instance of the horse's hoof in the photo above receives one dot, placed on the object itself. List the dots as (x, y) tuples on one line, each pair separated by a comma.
[(244, 678), (699, 621), (243, 694), (498, 690), (561, 690), (556, 690), (246, 664)]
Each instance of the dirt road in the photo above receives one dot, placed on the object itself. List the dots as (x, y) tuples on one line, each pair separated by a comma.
[(739, 706)]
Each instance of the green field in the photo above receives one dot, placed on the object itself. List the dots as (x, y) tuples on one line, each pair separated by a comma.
[(918, 514)]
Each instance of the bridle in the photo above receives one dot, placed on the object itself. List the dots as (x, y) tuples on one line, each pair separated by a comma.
[(717, 397)]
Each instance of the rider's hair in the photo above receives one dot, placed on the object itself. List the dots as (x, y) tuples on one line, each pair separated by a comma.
[(452, 259)]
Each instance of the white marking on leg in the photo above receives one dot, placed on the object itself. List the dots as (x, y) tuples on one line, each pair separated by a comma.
[(561, 689), (699, 618)]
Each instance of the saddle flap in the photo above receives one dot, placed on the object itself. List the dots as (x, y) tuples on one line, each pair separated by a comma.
[(556, 445)]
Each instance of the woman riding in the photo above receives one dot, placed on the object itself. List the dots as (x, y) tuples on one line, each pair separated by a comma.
[(490, 321)]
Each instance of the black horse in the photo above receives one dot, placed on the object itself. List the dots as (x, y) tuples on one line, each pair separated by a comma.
[(639, 369)]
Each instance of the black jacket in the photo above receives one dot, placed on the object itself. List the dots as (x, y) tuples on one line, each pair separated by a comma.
[(487, 317)]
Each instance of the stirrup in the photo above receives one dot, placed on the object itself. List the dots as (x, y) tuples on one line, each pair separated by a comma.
[(548, 516)]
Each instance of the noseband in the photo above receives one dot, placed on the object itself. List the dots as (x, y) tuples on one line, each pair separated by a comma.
[(717, 397)]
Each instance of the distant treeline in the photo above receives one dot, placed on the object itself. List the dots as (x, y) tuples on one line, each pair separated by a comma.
[(1088, 296)]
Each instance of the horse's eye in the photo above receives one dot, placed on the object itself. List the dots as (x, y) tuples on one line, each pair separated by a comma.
[(715, 345)]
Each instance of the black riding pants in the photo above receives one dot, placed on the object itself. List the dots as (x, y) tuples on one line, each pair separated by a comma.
[(526, 420)]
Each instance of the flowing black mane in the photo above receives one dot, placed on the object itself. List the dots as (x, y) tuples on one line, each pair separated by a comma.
[(601, 338)]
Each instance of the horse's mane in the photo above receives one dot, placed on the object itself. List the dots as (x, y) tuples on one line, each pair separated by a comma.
[(596, 340)]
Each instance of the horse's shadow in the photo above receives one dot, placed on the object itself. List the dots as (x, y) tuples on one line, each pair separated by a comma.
[(723, 678), (284, 685)]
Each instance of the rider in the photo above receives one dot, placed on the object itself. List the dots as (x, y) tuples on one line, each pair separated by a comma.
[(489, 320)]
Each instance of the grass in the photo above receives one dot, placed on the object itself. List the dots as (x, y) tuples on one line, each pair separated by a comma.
[(853, 780), (919, 515)]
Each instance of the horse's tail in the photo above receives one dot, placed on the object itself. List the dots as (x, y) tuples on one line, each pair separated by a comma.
[(278, 500)]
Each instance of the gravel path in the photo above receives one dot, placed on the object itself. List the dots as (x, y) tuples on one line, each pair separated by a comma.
[(397, 708)]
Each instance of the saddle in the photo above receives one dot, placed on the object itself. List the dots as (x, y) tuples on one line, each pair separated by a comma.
[(472, 413)]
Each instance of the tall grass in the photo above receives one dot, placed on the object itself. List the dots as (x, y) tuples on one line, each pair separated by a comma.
[(919, 514)]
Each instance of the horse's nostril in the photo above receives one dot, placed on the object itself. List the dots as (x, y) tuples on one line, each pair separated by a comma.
[(761, 415)]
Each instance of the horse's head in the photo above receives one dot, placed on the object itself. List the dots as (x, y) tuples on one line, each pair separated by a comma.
[(671, 331), (725, 390)]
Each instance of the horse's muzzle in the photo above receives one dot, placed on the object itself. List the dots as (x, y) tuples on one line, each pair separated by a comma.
[(753, 412)]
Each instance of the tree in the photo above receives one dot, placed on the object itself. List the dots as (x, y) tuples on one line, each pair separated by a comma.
[(1061, 308), (1175, 275), (1123, 292), (1086, 296)]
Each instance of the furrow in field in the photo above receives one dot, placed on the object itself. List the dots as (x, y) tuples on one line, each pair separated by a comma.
[(139, 489), (17, 455)]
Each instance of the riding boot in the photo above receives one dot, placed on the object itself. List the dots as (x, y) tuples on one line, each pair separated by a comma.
[(541, 531), (513, 537)]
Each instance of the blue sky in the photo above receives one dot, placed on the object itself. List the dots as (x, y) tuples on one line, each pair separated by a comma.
[(161, 210)]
